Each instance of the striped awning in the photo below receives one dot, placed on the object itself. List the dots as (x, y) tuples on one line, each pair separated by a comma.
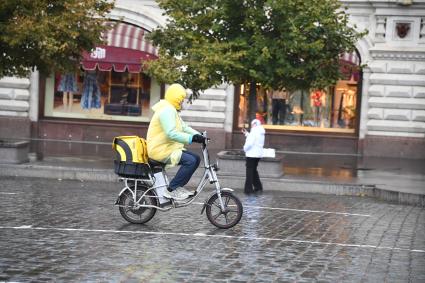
[(350, 58), (126, 49), (349, 66), (124, 35)]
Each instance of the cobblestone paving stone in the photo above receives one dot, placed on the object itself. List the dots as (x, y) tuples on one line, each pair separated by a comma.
[(70, 231)]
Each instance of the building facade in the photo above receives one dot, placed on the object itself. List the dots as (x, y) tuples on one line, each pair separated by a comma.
[(376, 110)]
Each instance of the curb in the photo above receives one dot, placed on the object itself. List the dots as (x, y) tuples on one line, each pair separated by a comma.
[(226, 180), (58, 172)]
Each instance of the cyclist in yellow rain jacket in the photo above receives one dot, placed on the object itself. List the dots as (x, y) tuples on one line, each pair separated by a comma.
[(166, 137)]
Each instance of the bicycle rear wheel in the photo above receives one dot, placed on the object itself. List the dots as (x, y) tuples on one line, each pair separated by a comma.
[(133, 213), (230, 216)]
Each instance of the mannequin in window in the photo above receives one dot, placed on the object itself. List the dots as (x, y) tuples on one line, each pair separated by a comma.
[(349, 108), (131, 92), (317, 102), (242, 110), (261, 113), (90, 97), (340, 121), (279, 106), (68, 86)]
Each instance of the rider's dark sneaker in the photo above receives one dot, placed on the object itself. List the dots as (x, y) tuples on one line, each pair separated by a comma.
[(175, 194)]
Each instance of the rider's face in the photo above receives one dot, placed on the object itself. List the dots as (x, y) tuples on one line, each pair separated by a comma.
[(183, 105)]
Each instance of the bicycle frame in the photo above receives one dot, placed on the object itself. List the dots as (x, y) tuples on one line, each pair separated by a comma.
[(208, 175)]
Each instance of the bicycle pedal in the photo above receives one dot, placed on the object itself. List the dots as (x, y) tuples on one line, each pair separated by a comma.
[(165, 204)]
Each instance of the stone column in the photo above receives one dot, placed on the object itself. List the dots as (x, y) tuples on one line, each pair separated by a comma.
[(364, 104), (230, 98), (34, 96)]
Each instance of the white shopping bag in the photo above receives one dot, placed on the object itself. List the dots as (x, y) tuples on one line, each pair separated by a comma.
[(269, 152)]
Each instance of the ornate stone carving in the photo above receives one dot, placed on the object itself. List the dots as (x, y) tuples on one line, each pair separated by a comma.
[(380, 29), (405, 2), (402, 29), (422, 30), (398, 55)]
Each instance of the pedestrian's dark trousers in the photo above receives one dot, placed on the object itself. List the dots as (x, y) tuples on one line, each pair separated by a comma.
[(252, 181)]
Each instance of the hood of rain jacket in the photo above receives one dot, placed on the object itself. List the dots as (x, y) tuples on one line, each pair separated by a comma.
[(175, 95)]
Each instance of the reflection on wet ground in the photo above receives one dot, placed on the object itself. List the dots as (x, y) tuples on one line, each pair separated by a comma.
[(336, 174), (317, 166), (346, 167)]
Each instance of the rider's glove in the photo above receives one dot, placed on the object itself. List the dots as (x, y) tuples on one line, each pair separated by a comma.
[(198, 138)]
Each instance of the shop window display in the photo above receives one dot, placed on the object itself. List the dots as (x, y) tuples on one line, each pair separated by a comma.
[(104, 95), (330, 110), (333, 109)]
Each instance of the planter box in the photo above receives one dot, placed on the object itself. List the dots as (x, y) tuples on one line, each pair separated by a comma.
[(14, 152), (232, 162)]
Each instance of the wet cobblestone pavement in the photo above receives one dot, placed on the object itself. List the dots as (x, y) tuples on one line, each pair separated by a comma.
[(53, 230)]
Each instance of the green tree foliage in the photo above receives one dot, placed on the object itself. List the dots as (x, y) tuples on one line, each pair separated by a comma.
[(278, 43), (48, 34)]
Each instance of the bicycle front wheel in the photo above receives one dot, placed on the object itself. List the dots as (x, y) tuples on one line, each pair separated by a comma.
[(230, 216)]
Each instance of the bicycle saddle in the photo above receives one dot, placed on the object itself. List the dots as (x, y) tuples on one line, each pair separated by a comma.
[(155, 163)]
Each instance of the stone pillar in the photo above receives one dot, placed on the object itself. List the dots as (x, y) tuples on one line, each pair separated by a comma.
[(230, 100), (364, 103), (14, 108), (34, 96)]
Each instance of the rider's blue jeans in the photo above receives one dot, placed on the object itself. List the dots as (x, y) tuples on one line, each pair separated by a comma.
[(188, 164)]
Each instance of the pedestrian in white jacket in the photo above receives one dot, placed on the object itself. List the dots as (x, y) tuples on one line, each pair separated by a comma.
[(253, 148)]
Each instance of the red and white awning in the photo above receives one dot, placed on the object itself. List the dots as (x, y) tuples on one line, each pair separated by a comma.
[(350, 58), (107, 58), (349, 66), (128, 36), (126, 49)]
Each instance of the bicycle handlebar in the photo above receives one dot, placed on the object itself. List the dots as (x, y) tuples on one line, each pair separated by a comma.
[(207, 140)]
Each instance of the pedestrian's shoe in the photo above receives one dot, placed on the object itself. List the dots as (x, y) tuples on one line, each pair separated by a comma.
[(187, 192), (248, 192), (175, 194)]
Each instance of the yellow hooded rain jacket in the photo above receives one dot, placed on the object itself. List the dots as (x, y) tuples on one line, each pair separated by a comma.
[(167, 133)]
